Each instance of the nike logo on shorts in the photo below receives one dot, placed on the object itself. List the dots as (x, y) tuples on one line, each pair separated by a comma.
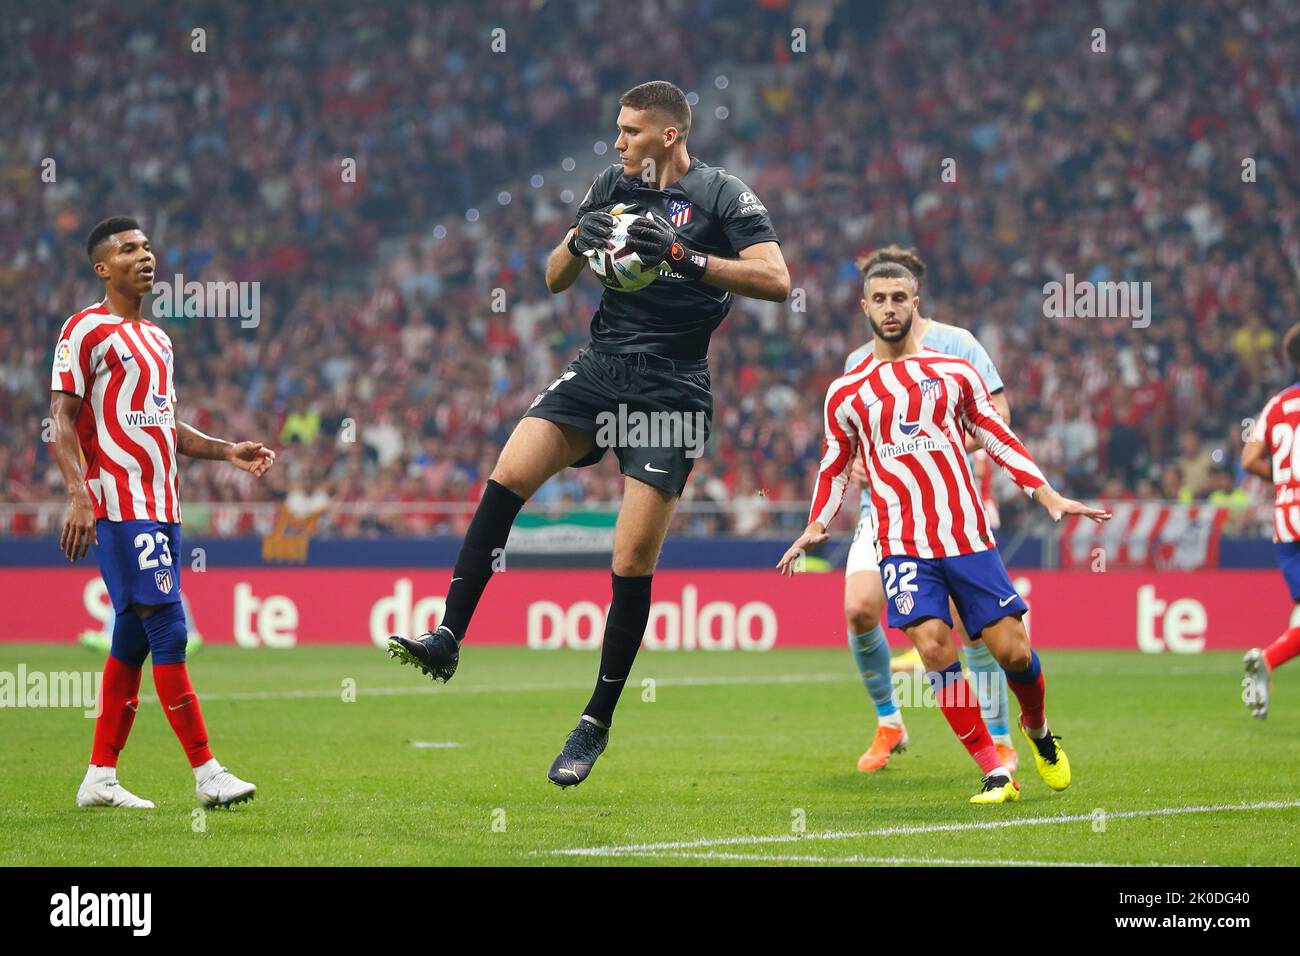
[(1005, 601), (657, 471)]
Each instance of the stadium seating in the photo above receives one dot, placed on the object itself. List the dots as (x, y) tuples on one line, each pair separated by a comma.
[(384, 374)]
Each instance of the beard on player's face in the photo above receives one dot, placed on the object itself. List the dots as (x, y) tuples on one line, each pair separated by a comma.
[(900, 335)]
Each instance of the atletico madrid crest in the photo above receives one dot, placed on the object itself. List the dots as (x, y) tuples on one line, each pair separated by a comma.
[(904, 603), (163, 579), (679, 211)]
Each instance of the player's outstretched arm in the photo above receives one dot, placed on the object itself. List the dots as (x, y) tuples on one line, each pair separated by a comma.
[(1058, 506), (250, 456), (1003, 408), (814, 534), (79, 524)]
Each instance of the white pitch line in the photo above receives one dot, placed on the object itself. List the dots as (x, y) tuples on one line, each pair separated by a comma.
[(418, 689), (434, 744), (634, 848), (882, 860)]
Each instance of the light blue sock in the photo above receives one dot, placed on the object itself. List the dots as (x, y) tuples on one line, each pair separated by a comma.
[(871, 652), (991, 683)]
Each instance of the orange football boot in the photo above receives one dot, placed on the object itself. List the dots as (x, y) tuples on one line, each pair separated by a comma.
[(887, 742), (1010, 759)]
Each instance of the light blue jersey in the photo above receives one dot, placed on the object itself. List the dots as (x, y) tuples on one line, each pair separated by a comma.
[(950, 340)]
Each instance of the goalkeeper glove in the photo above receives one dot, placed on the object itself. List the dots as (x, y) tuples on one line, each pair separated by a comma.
[(654, 240), (594, 230)]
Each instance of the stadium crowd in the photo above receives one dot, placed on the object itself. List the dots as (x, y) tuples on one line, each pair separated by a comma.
[(400, 339)]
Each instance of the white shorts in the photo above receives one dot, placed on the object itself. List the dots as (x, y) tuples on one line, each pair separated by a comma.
[(862, 553)]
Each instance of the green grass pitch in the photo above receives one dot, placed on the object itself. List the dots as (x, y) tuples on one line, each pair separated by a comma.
[(739, 759)]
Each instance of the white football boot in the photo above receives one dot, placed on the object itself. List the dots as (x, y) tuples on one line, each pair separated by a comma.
[(218, 787), (1255, 685), (101, 789)]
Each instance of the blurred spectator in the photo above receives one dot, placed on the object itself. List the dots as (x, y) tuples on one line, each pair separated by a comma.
[(380, 359)]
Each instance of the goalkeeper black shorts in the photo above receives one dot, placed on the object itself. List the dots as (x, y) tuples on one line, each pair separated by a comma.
[(656, 413)]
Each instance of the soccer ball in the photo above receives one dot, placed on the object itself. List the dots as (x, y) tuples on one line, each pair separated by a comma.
[(617, 266)]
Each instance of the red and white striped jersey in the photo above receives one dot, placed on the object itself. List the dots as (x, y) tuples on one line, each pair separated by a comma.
[(1276, 427), (122, 370), (906, 417)]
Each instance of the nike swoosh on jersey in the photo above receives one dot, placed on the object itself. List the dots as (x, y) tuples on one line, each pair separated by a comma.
[(657, 471)]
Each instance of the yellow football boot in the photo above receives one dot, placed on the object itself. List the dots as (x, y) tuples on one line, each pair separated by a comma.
[(998, 788), (1053, 764)]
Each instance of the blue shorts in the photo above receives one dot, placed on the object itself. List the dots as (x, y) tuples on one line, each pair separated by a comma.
[(138, 560), (918, 588), (1288, 559)]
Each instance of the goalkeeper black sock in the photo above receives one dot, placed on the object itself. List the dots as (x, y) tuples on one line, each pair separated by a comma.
[(628, 614), (484, 543)]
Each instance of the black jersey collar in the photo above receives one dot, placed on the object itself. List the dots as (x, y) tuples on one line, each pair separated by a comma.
[(691, 175)]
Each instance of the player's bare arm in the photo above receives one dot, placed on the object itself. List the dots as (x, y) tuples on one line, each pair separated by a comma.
[(813, 535), (1058, 506), (250, 456), (759, 273), (1255, 459), (79, 523)]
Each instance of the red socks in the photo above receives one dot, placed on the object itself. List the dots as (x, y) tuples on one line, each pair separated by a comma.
[(1031, 701), (119, 696), (181, 705), (1283, 649), (1028, 687), (961, 709)]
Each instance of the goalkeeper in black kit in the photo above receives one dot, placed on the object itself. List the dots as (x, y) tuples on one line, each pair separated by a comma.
[(647, 359)]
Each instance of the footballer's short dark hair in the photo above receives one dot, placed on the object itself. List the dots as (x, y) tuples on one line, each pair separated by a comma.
[(1291, 345), (105, 228), (907, 258), (666, 97), (889, 270)]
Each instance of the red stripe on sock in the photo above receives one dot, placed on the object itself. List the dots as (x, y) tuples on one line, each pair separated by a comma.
[(960, 706), (181, 705), (1031, 698), (1283, 649), (119, 696)]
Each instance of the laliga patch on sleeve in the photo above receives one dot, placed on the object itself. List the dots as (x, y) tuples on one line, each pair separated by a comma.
[(63, 357)]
